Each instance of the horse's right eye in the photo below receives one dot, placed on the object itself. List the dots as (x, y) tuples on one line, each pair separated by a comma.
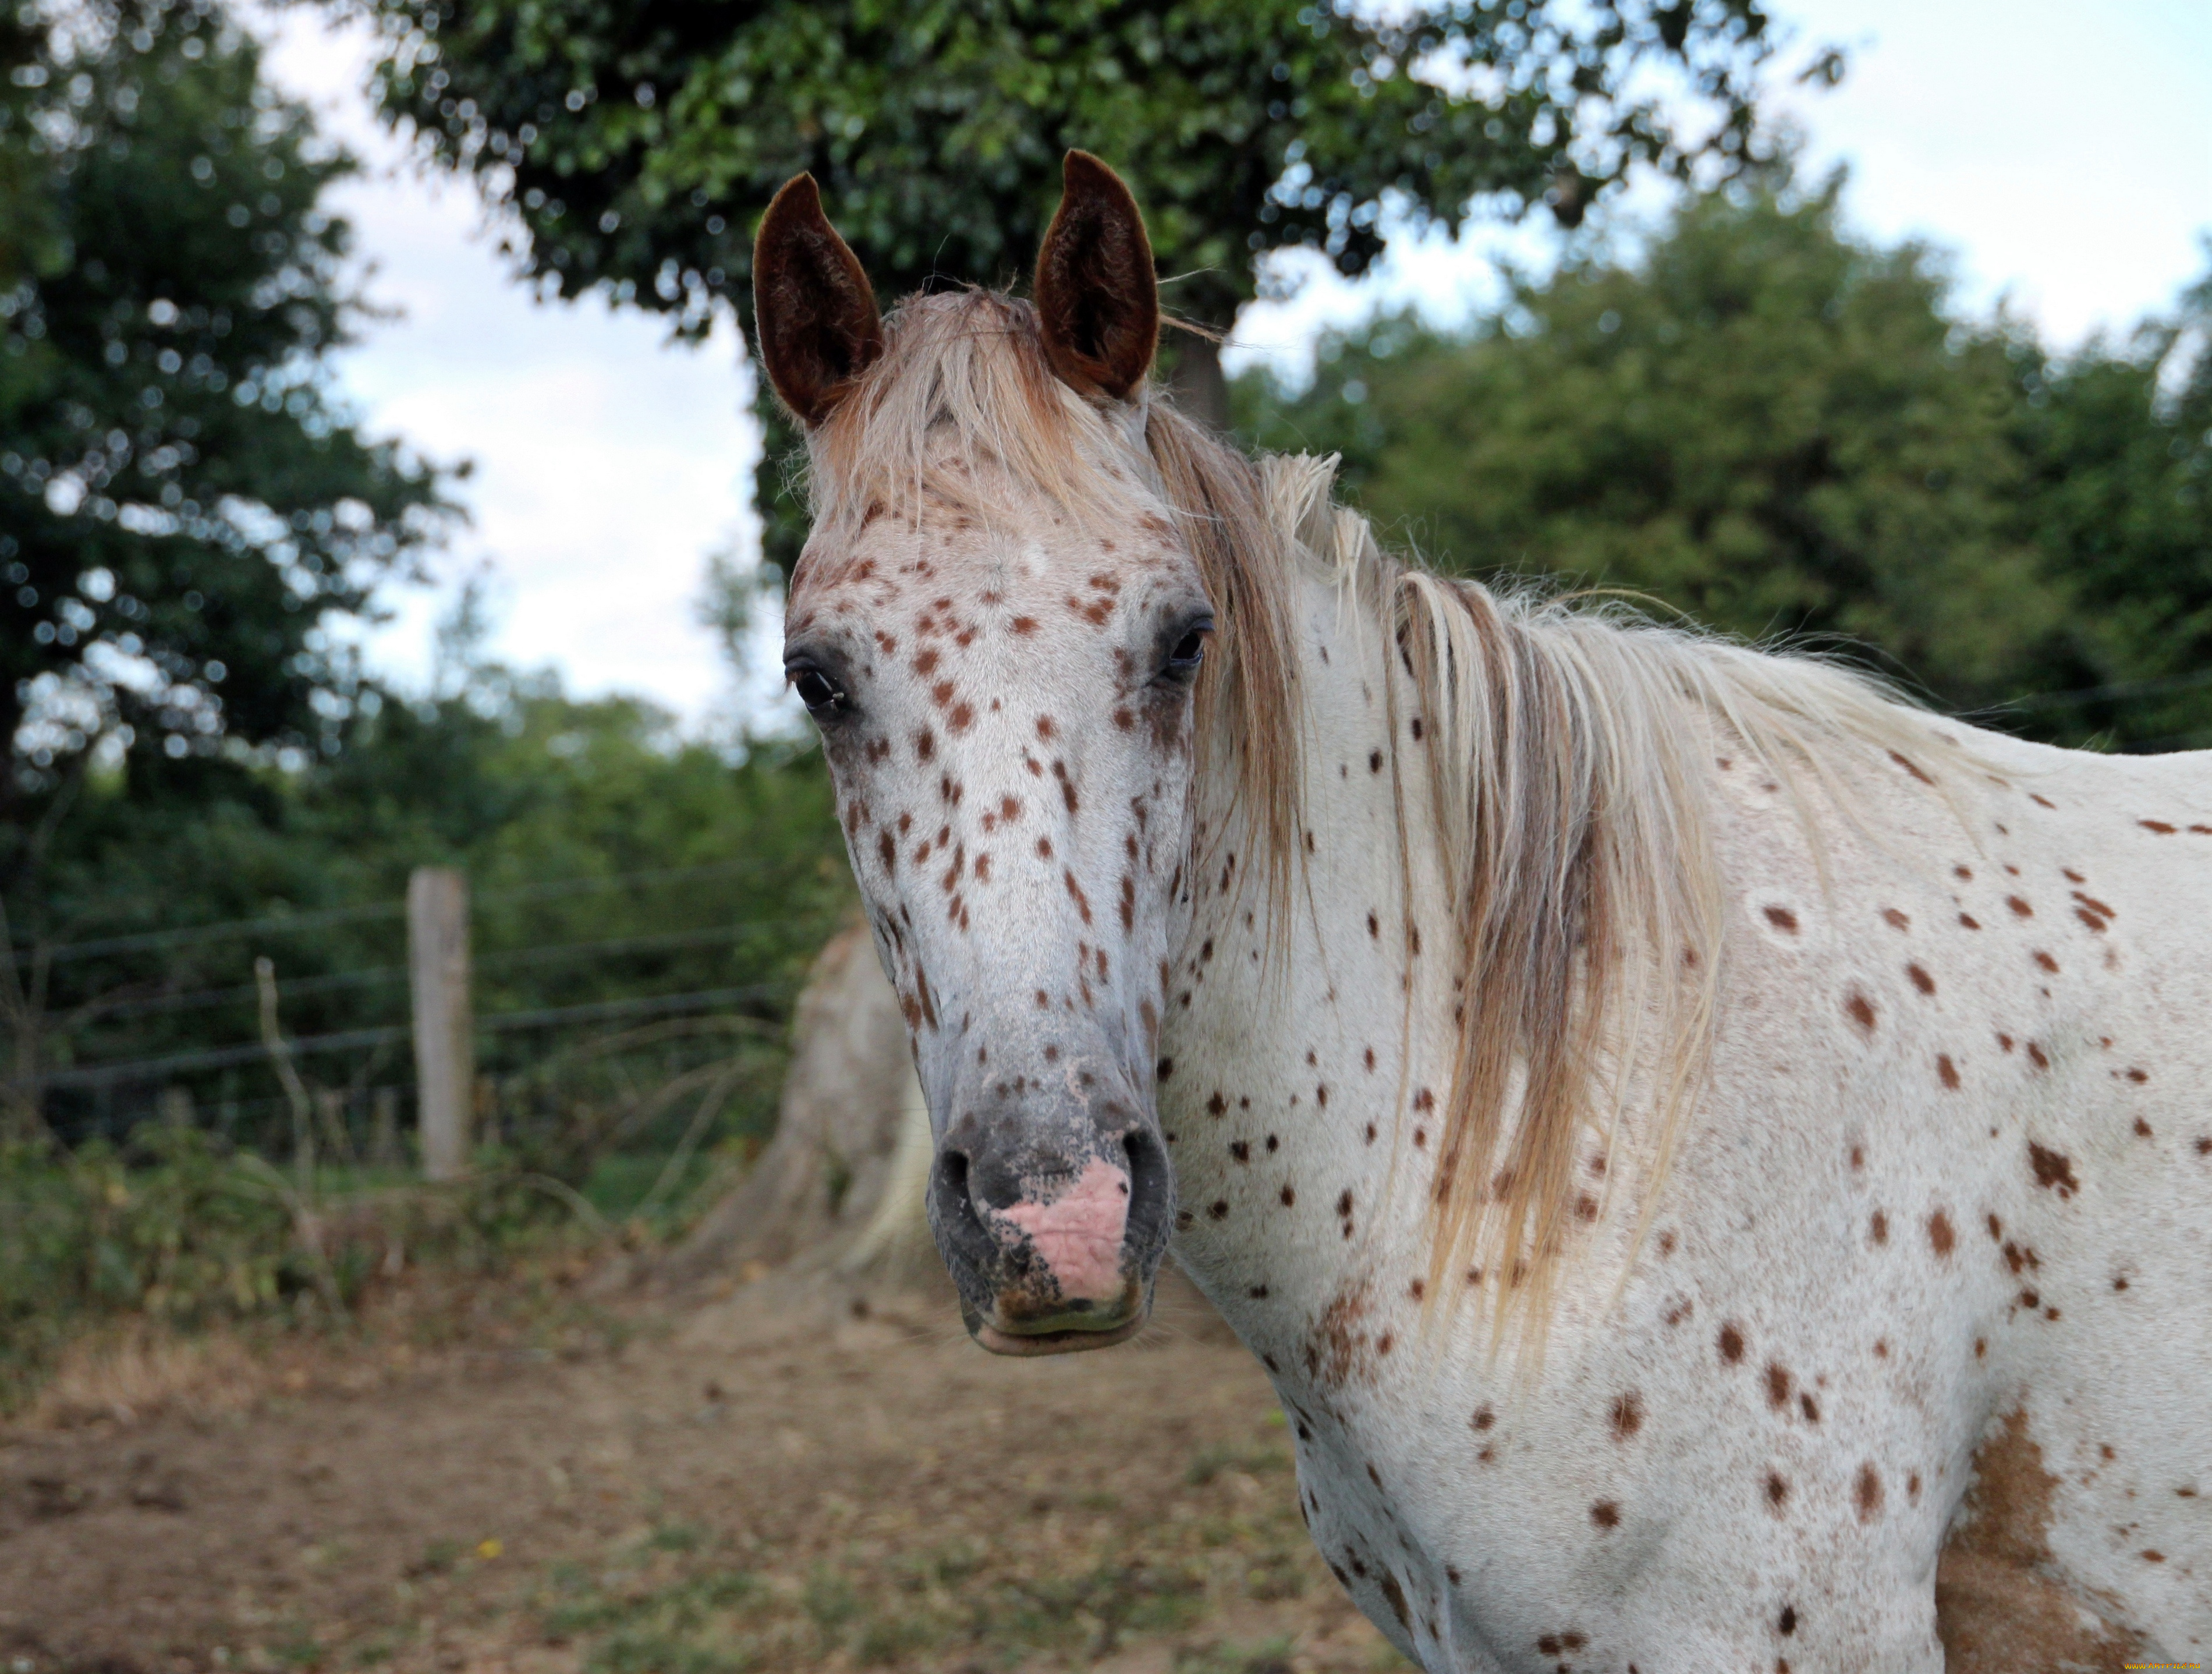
[(817, 692)]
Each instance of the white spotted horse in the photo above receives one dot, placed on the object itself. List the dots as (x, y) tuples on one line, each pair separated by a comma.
[(1716, 1162)]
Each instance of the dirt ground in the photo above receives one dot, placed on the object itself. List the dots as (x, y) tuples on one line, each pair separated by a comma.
[(791, 1477)]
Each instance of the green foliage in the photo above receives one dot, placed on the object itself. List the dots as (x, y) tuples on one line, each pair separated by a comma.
[(182, 503), (174, 1228), (633, 146), (636, 144), (1779, 430), (608, 862)]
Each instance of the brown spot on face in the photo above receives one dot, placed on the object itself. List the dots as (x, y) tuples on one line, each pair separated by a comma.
[(1810, 1408), (1941, 1237), (2046, 961), (1878, 1227), (2158, 825), (2035, 1056), (1970, 920), (1606, 1514), (1483, 1419), (1783, 919), (1731, 1343), (1860, 1010), (1787, 1624), (1921, 979), (1946, 1071), (1627, 1415), (1778, 1385), (2053, 1171), (1289, 1195), (1896, 920), (2021, 909), (1778, 1490)]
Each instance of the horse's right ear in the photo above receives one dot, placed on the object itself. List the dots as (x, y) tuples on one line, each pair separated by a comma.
[(812, 306)]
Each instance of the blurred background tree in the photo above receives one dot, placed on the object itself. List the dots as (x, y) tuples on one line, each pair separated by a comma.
[(186, 508), (1779, 429), (632, 148)]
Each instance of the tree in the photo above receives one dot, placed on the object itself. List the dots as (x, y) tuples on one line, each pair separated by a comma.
[(1778, 430), (183, 505), (632, 147)]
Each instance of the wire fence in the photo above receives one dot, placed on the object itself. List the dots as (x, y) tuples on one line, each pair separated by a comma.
[(590, 995)]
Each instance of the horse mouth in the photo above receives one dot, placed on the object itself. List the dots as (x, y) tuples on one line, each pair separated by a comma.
[(1063, 1341)]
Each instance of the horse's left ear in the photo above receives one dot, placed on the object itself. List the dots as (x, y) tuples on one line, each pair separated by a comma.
[(813, 308), (1097, 299)]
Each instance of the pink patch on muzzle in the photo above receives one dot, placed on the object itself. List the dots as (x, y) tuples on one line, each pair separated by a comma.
[(1077, 1234)]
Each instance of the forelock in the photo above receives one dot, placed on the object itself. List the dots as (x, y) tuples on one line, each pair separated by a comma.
[(963, 413)]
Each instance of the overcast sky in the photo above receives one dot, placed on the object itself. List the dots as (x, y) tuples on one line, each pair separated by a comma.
[(2064, 152)]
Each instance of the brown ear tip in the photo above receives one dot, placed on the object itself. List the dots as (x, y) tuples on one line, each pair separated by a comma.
[(1079, 167), (799, 192)]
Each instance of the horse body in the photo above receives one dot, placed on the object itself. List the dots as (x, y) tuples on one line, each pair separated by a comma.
[(1715, 1162), (1940, 1221)]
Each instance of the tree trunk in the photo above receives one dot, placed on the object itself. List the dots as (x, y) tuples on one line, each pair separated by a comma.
[(841, 1183), (1195, 383)]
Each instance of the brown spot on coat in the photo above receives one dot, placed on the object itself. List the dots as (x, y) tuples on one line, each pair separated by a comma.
[(2053, 1170), (1941, 1237), (1860, 1010), (1783, 919), (1867, 1493), (1946, 1071), (1998, 1609), (1731, 1343), (1627, 1415)]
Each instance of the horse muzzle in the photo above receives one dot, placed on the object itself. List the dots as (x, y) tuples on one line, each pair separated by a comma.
[(1052, 1248)]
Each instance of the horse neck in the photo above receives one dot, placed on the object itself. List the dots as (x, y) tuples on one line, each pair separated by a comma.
[(1303, 1054)]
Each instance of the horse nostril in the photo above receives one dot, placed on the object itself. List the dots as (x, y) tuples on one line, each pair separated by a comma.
[(1151, 1190)]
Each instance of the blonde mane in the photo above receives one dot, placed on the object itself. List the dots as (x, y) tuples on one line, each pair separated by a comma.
[(1566, 748)]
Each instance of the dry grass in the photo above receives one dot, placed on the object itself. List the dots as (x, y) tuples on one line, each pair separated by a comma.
[(138, 1369)]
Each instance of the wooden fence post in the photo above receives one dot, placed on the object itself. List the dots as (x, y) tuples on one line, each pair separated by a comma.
[(445, 1034)]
